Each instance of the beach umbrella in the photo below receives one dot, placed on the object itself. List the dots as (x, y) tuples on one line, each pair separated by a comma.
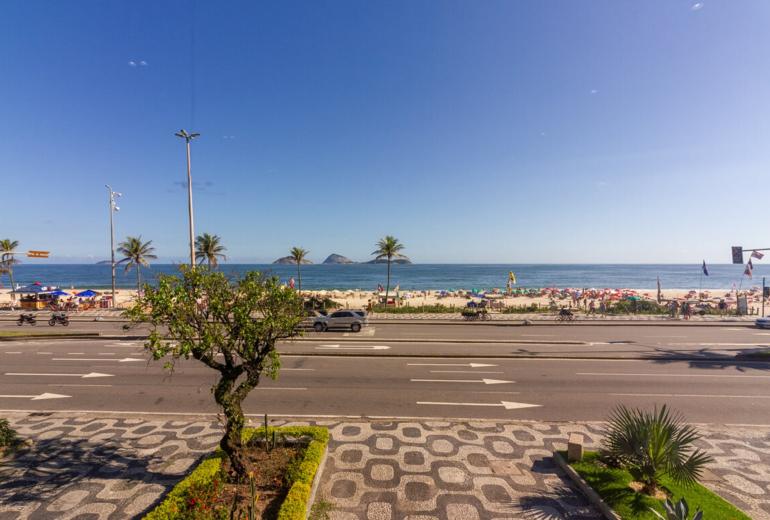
[(88, 293), (59, 292)]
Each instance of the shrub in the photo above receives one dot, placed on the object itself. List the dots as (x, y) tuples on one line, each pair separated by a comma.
[(654, 444), (8, 437), (678, 511)]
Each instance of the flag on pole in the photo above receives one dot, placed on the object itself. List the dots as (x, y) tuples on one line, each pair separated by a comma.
[(757, 255), (380, 288), (291, 282), (749, 269), (705, 269)]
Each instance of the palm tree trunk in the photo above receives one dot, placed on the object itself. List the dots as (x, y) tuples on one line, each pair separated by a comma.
[(387, 285), (10, 276), (299, 278), (138, 279)]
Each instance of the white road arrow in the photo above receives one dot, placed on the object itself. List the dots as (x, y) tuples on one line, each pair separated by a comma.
[(40, 397), (508, 405), (472, 365), (83, 376), (338, 347), (124, 360), (485, 381)]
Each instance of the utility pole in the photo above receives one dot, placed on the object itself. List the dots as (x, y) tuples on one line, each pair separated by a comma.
[(113, 209), (189, 137)]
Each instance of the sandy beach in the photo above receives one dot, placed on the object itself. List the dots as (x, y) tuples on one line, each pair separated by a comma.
[(361, 299)]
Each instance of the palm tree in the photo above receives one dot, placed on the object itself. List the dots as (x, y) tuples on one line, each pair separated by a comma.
[(651, 445), (135, 254), (208, 249), (7, 261), (299, 255), (388, 247)]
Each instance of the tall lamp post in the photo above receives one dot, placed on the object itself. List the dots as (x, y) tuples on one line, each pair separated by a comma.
[(113, 209), (189, 137)]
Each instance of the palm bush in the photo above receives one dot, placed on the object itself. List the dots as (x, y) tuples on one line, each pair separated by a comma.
[(7, 436), (654, 444), (678, 511)]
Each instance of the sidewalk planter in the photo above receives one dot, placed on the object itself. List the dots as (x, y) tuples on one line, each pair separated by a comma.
[(299, 499), (613, 497)]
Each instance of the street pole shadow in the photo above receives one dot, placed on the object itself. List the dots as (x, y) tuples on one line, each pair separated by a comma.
[(706, 359)]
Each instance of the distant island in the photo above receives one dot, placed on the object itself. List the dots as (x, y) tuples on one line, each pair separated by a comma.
[(338, 259), (403, 261), (104, 262), (288, 260)]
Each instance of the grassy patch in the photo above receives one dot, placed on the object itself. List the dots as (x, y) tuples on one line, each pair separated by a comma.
[(613, 486), (207, 473)]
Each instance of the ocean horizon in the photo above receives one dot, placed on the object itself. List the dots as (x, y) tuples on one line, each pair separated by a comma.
[(422, 276)]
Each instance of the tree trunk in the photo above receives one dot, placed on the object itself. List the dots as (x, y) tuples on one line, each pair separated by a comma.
[(138, 279), (10, 276), (231, 399), (387, 285), (299, 278)]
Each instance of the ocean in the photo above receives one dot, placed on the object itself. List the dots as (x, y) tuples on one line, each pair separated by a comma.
[(425, 276)]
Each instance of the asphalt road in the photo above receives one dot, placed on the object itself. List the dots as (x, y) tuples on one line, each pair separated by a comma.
[(121, 379)]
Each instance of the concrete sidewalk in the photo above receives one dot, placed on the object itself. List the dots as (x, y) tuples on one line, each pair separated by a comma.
[(115, 468)]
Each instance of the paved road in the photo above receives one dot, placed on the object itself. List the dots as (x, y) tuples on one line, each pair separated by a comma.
[(714, 390)]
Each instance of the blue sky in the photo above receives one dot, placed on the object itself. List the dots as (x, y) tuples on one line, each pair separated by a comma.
[(497, 131)]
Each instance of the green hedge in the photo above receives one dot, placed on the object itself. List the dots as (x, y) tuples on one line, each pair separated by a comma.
[(294, 506)]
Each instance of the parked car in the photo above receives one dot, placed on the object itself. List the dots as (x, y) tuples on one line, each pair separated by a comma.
[(310, 319), (763, 323), (343, 319)]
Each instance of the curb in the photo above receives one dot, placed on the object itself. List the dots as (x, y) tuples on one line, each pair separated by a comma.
[(317, 480), (84, 335), (592, 496)]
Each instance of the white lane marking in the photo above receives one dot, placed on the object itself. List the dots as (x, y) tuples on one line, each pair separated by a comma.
[(13, 352), (44, 353), (124, 360), (76, 385), (39, 397), (338, 347), (697, 395), (472, 365), (537, 335), (76, 353), (508, 405), (734, 328), (619, 374), (277, 388), (106, 353), (762, 333), (464, 372), (485, 381), (90, 375), (298, 369)]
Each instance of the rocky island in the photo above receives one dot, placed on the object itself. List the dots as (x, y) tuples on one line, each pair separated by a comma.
[(288, 260), (334, 258)]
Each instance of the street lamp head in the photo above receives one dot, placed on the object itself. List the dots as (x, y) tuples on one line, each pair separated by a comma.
[(184, 135), (118, 194), (193, 136)]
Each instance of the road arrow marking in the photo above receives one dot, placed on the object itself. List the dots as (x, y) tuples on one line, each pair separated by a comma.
[(485, 381), (40, 397), (472, 365), (508, 405), (82, 376), (338, 347), (124, 360)]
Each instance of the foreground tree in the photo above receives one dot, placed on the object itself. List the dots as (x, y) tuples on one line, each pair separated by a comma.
[(388, 248), (209, 249), (136, 254), (299, 255), (231, 326), (7, 261), (653, 444)]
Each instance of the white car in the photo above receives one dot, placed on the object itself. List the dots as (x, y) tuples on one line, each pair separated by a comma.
[(763, 323)]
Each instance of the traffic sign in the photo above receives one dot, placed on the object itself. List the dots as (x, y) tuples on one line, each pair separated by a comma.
[(737, 255)]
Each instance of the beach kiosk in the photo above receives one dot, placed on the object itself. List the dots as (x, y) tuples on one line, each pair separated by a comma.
[(35, 297)]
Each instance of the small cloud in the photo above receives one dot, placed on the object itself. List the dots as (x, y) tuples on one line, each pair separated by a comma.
[(228, 137), (594, 91), (697, 6), (131, 63), (542, 134), (143, 63), (601, 184)]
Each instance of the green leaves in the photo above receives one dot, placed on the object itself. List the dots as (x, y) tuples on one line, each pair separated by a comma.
[(652, 444), (388, 247), (678, 511)]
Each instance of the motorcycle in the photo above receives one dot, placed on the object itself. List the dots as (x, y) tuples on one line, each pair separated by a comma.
[(26, 318), (59, 317)]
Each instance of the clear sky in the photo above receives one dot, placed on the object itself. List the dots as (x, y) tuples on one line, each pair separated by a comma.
[(495, 131)]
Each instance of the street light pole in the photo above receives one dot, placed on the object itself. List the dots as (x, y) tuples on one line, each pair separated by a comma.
[(189, 137), (113, 209)]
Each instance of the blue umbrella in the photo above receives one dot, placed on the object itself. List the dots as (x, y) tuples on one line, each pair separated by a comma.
[(59, 292), (88, 293)]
